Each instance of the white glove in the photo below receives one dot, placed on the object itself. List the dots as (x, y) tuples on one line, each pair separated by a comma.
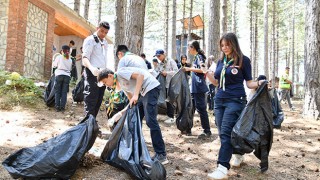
[(115, 118), (94, 70)]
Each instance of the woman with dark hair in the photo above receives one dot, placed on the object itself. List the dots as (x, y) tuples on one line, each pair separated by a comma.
[(232, 69), (183, 60), (199, 87)]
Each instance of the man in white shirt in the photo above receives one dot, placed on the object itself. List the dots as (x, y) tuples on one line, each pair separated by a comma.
[(94, 57)]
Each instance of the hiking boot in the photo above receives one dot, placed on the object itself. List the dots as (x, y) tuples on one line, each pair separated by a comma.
[(238, 159), (161, 158), (169, 121), (204, 135), (220, 172)]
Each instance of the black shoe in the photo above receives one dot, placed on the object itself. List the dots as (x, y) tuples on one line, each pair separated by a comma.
[(187, 133), (161, 158), (204, 135), (62, 109), (58, 109)]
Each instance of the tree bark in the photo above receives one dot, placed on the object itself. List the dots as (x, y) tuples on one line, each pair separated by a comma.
[(86, 9), (135, 25), (292, 47), (166, 27), (174, 22), (76, 7), (234, 14), (190, 23), (273, 43), (214, 29), (266, 64), (311, 60), (224, 17), (183, 30), (99, 10), (119, 27)]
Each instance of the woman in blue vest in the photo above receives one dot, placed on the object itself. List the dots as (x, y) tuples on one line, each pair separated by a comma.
[(232, 70)]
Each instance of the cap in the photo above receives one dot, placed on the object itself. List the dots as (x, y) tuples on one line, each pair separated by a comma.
[(65, 47), (287, 67), (158, 52)]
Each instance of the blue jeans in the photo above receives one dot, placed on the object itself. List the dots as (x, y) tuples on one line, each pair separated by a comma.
[(148, 107), (199, 102), (227, 112), (61, 88)]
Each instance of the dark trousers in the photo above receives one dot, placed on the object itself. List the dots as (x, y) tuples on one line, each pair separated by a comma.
[(211, 95), (61, 88), (227, 112), (93, 95), (148, 107), (285, 94), (199, 102), (170, 107)]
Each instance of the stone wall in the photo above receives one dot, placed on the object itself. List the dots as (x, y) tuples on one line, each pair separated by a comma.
[(36, 31), (4, 7)]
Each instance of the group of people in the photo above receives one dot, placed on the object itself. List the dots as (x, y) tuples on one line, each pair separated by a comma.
[(142, 88)]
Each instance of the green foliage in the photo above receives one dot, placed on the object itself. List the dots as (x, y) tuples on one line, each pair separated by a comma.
[(18, 90)]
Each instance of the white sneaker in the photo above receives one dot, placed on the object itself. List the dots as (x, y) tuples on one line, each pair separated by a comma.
[(238, 159), (169, 121), (220, 173)]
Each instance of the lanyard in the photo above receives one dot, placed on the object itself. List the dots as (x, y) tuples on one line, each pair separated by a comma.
[(223, 72)]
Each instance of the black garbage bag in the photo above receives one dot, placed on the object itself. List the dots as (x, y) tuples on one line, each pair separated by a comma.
[(58, 157), (179, 95), (162, 104), (254, 129), (49, 93), (77, 92), (127, 150), (277, 112)]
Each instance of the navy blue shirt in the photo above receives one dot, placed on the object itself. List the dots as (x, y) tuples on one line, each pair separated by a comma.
[(148, 64), (198, 82), (234, 78)]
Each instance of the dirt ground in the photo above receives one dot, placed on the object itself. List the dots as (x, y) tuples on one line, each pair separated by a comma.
[(295, 152)]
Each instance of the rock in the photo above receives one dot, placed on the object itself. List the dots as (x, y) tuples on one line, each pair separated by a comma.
[(177, 168), (178, 173), (309, 141)]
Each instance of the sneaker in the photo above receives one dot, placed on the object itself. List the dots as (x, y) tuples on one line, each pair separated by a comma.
[(161, 158), (169, 121), (238, 159), (204, 135), (220, 173)]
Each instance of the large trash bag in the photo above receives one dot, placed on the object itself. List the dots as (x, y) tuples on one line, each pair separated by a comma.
[(277, 112), (179, 95), (120, 101), (254, 129), (162, 104), (58, 157), (77, 92), (127, 150), (49, 93)]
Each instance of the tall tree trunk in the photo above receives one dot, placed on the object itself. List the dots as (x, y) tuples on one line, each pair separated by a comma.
[(183, 29), (311, 60), (277, 47), (214, 29), (166, 26), (76, 6), (99, 10), (234, 14), (135, 25), (273, 43), (119, 24), (252, 39), (189, 29), (86, 9), (203, 32), (266, 64), (292, 47), (255, 47), (190, 23), (174, 23), (224, 18)]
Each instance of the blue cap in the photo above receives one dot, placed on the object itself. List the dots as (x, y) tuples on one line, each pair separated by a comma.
[(158, 52)]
